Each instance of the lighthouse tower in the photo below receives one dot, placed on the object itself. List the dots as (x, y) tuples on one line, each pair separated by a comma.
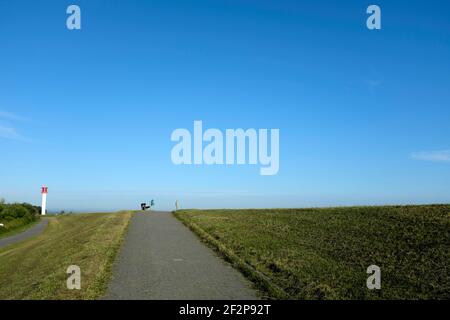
[(44, 200)]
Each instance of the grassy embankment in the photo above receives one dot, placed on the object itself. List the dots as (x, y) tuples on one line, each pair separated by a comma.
[(36, 268), (324, 253), (12, 230)]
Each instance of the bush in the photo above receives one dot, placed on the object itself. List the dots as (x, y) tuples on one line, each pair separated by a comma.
[(16, 215), (13, 212)]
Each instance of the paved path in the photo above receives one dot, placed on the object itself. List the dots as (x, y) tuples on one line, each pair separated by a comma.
[(30, 232), (162, 259)]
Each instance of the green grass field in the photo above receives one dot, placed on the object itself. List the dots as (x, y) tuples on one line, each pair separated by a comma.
[(324, 253), (36, 268)]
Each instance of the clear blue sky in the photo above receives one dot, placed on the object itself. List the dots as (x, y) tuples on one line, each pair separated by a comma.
[(364, 116)]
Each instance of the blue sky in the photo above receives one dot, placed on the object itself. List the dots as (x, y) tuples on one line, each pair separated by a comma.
[(363, 115)]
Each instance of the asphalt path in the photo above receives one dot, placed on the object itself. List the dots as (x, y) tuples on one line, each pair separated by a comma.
[(28, 233), (161, 259)]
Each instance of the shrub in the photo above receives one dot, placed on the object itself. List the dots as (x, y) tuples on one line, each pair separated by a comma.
[(16, 215)]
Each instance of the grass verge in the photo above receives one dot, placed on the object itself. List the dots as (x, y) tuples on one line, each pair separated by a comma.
[(324, 253), (36, 268), (19, 229)]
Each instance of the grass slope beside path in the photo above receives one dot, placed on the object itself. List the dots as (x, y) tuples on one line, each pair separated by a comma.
[(324, 253), (36, 268), (18, 230)]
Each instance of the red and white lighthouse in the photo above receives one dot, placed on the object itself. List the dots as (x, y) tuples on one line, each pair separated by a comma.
[(44, 200)]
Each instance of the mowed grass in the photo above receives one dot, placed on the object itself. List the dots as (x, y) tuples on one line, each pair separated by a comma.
[(36, 268), (324, 253)]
